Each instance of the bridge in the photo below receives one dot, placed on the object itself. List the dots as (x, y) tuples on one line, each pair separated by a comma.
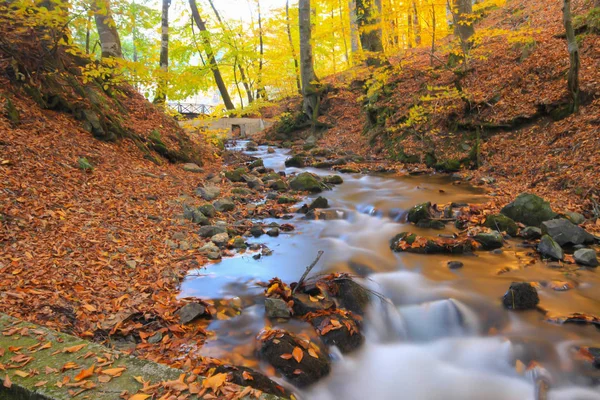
[(191, 110)]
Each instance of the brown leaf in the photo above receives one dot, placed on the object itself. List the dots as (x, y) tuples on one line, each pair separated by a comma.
[(7, 383), (215, 382)]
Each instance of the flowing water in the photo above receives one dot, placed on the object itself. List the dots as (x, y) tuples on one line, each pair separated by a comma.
[(442, 334)]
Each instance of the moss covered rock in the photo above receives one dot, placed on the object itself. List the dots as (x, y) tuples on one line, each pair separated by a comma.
[(420, 212), (502, 223), (529, 209), (307, 182)]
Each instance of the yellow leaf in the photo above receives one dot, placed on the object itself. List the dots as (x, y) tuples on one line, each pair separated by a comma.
[(22, 374), (313, 353)]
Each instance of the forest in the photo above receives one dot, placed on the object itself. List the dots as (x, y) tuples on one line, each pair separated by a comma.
[(296, 199)]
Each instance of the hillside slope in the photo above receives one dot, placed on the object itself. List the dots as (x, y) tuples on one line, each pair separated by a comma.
[(513, 91)]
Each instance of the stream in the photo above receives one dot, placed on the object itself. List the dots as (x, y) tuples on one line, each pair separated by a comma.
[(442, 334)]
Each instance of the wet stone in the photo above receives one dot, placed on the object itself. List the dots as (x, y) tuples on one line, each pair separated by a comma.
[(208, 210), (319, 202), (276, 308), (520, 296), (344, 333), (420, 212), (310, 369), (220, 239), (257, 231), (586, 257), (190, 312), (304, 304), (455, 264), (273, 232), (531, 233), (529, 209), (564, 232), (239, 243), (490, 241), (502, 223), (549, 248)]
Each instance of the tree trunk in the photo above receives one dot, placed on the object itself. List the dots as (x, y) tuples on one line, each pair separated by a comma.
[(294, 55), (260, 90), (463, 25), (238, 62), (354, 38), (369, 21), (309, 88), (211, 56), (107, 30), (343, 26), (163, 83), (417, 25), (573, 76), (433, 31)]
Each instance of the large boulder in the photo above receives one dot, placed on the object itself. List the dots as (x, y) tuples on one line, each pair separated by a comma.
[(208, 193), (502, 223), (564, 232), (295, 161), (319, 202), (420, 212), (307, 182), (586, 257), (520, 296), (282, 351), (531, 233), (414, 243), (549, 248), (529, 209)]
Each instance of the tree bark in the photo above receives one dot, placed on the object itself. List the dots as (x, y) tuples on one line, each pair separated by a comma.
[(163, 83), (309, 88), (354, 38), (260, 90), (110, 43), (343, 26), (463, 25), (214, 66), (417, 24), (573, 75), (293, 49), (369, 21)]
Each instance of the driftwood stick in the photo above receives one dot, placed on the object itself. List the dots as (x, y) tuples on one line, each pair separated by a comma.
[(307, 271)]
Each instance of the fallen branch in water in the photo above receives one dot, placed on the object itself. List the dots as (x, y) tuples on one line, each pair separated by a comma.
[(307, 271)]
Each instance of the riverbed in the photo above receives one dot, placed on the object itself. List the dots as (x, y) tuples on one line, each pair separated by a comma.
[(432, 332)]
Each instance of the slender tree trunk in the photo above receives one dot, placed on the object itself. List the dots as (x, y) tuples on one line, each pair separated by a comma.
[(333, 42), (369, 21), (343, 26), (107, 30), (573, 76), (433, 31), (88, 28), (239, 64), (214, 66), (354, 37), (163, 83), (260, 89), (237, 82), (293, 49), (309, 88), (409, 32), (417, 25)]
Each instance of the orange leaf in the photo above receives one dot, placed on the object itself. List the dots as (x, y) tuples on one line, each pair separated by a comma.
[(139, 396), (215, 381), (247, 376), (7, 383), (286, 356), (85, 373), (297, 354), (114, 371), (313, 353), (74, 349)]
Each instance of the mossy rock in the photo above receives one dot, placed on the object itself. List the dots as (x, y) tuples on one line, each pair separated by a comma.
[(490, 241), (502, 223), (296, 161), (420, 212), (256, 164), (448, 166), (287, 200), (333, 179), (236, 175), (529, 209), (307, 182)]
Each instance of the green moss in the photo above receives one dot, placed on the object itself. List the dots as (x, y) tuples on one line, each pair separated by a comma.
[(84, 165), (11, 112)]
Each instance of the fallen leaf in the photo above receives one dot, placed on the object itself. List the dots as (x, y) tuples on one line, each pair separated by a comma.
[(114, 372), (139, 396), (74, 349), (247, 376), (85, 373), (215, 382), (297, 354), (7, 383), (313, 353), (286, 356)]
